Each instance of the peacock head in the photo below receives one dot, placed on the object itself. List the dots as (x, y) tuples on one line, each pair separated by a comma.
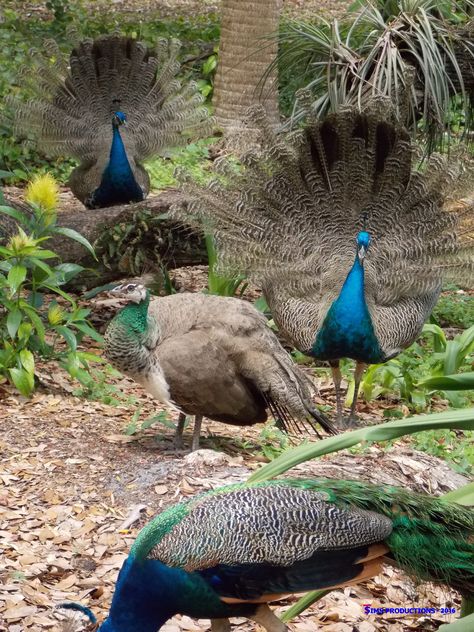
[(363, 243), (133, 292), (118, 119)]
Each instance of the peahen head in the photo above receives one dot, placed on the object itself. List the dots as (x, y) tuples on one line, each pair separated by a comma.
[(133, 292), (118, 119), (363, 243)]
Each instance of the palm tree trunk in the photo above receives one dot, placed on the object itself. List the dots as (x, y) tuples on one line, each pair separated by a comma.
[(245, 53)]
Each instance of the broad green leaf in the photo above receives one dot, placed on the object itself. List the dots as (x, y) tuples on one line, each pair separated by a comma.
[(464, 495), (454, 419), (466, 624), (68, 336), (36, 321), (13, 322), (458, 382), (72, 234), (16, 214), (27, 360), (16, 276), (23, 380), (89, 331)]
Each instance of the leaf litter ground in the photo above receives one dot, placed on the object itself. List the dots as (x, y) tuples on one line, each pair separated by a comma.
[(75, 490)]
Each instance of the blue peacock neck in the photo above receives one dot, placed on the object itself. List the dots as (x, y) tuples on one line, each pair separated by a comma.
[(144, 597), (347, 330), (118, 184)]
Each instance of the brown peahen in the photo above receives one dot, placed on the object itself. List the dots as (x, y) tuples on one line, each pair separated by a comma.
[(114, 104), (209, 356), (349, 242), (229, 552)]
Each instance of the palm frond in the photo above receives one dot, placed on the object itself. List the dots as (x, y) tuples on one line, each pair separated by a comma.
[(412, 51)]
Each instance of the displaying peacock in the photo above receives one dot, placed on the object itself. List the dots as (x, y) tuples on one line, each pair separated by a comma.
[(209, 356), (349, 242), (229, 552), (115, 104)]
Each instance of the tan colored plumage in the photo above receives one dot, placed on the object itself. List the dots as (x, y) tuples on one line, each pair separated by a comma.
[(210, 356)]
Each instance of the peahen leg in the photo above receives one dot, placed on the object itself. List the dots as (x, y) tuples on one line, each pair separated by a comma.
[(337, 378), (358, 373), (178, 435), (196, 432), (220, 625), (268, 620)]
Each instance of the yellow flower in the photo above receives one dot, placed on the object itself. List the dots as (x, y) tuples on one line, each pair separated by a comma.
[(21, 242), (43, 191), (55, 314)]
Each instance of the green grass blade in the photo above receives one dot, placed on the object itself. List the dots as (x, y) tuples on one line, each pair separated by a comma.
[(303, 603), (459, 382), (451, 419)]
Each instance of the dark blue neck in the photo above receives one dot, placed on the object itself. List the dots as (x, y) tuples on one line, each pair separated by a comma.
[(118, 184), (144, 597), (347, 330)]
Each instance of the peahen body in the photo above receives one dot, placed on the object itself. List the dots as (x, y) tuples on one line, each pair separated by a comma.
[(229, 552), (349, 242), (208, 356), (113, 105)]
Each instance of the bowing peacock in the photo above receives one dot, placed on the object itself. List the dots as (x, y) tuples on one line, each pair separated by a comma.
[(229, 552), (115, 104), (209, 356), (349, 242)]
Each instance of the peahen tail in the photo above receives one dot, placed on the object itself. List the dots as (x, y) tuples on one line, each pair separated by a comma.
[(75, 99), (290, 216), (432, 539)]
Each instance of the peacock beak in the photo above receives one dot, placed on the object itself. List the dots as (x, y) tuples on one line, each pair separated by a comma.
[(362, 252)]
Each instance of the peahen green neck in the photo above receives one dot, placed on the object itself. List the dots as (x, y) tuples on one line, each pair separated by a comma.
[(118, 184), (131, 336), (347, 330)]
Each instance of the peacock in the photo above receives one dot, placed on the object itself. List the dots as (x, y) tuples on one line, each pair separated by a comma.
[(115, 104), (209, 356), (229, 552), (348, 240)]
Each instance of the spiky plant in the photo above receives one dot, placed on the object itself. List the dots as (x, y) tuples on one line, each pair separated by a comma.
[(420, 53)]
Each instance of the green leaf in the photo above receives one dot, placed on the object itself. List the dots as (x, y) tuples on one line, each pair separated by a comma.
[(303, 603), (457, 382), (466, 624), (23, 380), (68, 336), (13, 322), (456, 419), (72, 234), (464, 495), (27, 360), (36, 321), (89, 331), (16, 214), (16, 276)]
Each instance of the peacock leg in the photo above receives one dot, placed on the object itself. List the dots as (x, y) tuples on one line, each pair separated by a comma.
[(196, 432), (220, 625), (178, 435), (337, 378), (358, 373), (268, 620)]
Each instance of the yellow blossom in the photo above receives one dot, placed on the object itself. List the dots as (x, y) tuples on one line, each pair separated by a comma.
[(43, 191)]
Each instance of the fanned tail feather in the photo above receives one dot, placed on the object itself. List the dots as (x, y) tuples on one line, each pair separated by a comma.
[(74, 101), (293, 211)]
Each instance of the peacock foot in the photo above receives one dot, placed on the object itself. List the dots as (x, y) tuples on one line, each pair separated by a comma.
[(348, 423)]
